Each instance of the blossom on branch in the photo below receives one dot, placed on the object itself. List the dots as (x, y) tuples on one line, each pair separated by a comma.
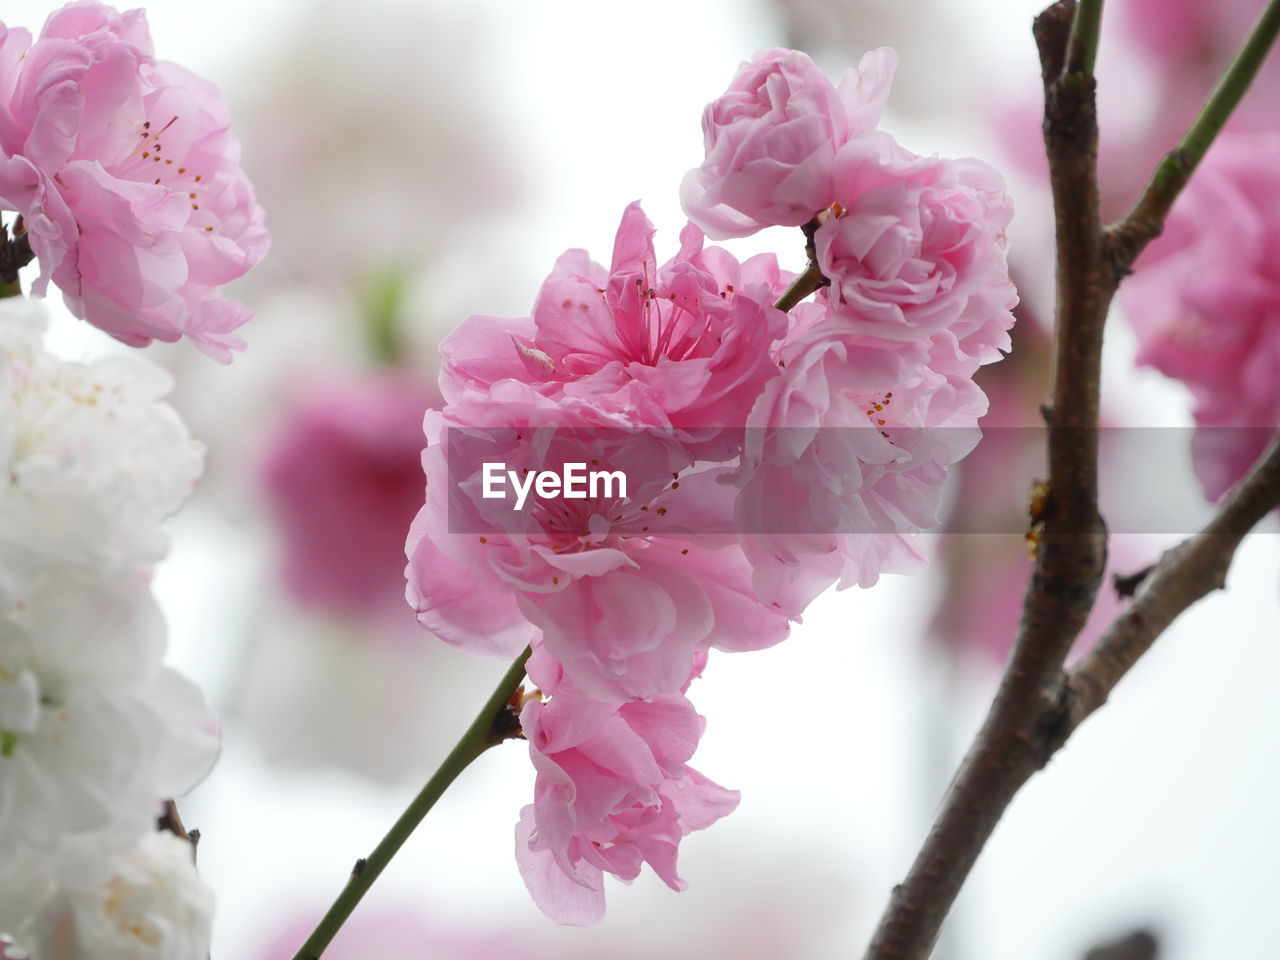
[(772, 138), (847, 453), (95, 731), (613, 792), (916, 245), (95, 461), (93, 728), (152, 905), (127, 177), (766, 455), (683, 343)]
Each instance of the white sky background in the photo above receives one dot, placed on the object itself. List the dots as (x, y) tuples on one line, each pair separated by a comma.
[(1160, 811)]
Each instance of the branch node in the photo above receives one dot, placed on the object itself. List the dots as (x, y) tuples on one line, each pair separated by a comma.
[(15, 253), (506, 726), (1051, 30), (1126, 584)]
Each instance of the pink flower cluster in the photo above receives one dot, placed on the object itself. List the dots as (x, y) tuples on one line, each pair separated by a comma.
[(613, 791), (127, 178), (1204, 301), (767, 456)]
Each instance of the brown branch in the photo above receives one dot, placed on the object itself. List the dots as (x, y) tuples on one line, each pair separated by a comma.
[(1038, 706), (15, 254), (171, 821), (1190, 571), (1028, 718), (1012, 747), (1126, 584)]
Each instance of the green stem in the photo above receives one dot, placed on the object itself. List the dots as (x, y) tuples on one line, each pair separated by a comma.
[(10, 289), (484, 732), (384, 315), (1082, 44), (1144, 222), (808, 282), (1231, 87)]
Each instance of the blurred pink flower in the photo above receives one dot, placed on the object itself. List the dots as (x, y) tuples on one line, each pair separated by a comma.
[(1204, 301), (127, 177), (613, 793), (1188, 43), (1158, 61), (979, 611), (771, 140), (342, 477)]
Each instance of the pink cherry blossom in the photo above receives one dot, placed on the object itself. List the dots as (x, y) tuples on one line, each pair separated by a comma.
[(613, 792), (128, 180), (627, 590), (342, 476), (916, 245), (651, 370), (846, 456), (772, 137), (1204, 301), (683, 344)]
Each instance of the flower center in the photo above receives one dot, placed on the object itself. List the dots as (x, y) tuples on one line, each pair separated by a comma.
[(148, 162)]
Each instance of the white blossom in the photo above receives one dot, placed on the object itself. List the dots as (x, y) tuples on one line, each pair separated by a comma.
[(148, 904), (94, 729), (91, 461)]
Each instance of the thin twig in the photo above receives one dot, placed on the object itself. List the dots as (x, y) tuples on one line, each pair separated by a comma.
[(1127, 238), (812, 279), (1191, 570), (15, 254), (1082, 45), (806, 283), (1126, 584), (171, 821), (491, 726)]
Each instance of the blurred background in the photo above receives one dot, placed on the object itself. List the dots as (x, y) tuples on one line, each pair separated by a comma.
[(423, 161)]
